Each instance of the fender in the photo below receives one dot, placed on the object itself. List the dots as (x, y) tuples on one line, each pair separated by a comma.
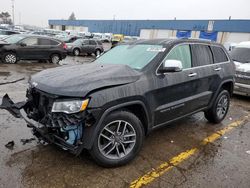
[(218, 90), (90, 133)]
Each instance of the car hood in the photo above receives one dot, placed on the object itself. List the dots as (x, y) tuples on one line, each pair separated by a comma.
[(79, 80), (242, 67)]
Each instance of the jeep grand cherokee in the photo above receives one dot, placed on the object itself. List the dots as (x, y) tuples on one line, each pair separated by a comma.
[(109, 106)]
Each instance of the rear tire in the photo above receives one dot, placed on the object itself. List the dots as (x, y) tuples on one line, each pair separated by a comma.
[(219, 109), (118, 140), (76, 52), (55, 58), (9, 58)]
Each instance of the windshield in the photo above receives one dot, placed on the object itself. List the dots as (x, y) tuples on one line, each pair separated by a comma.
[(241, 55), (135, 56), (14, 39)]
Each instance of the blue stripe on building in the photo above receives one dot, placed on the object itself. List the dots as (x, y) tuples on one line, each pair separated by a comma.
[(133, 27)]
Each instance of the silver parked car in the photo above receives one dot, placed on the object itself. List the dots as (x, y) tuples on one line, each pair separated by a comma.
[(241, 56), (85, 46)]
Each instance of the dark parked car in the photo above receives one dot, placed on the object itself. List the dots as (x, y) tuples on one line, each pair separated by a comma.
[(31, 47), (110, 105), (85, 46)]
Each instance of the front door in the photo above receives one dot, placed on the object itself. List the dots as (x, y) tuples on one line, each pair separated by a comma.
[(176, 94), (28, 48)]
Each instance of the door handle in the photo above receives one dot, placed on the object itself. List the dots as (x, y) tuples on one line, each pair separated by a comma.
[(217, 69), (192, 74)]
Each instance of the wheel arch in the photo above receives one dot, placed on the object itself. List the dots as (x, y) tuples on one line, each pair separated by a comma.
[(227, 85), (136, 107)]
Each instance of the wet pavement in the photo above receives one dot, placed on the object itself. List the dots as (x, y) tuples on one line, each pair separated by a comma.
[(223, 163)]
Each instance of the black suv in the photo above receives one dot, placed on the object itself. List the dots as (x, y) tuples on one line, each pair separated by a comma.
[(108, 106), (31, 47)]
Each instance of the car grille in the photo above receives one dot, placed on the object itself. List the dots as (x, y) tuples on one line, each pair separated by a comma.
[(242, 77), (40, 105), (39, 109)]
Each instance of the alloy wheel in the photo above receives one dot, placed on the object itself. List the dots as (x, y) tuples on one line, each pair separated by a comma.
[(76, 52), (117, 139), (10, 58), (222, 106)]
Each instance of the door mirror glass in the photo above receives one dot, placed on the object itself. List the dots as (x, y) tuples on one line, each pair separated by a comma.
[(171, 65)]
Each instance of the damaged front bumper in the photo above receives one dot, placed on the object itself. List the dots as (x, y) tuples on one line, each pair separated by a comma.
[(41, 131)]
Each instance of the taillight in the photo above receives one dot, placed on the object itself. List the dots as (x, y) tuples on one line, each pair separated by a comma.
[(64, 46)]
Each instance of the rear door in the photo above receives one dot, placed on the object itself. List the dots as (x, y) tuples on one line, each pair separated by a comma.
[(46, 47), (92, 46), (208, 73), (85, 46)]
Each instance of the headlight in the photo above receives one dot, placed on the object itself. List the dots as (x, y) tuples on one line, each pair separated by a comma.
[(70, 107), (69, 46)]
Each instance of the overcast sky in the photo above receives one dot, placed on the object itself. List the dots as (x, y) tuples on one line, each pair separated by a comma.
[(37, 12)]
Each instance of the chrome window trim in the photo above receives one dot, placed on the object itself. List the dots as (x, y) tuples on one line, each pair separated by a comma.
[(191, 43)]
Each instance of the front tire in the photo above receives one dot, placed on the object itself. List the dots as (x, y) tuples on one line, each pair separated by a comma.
[(118, 140), (98, 53), (55, 58), (10, 58), (219, 109)]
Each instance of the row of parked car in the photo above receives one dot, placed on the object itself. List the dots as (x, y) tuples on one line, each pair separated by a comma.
[(34, 47)]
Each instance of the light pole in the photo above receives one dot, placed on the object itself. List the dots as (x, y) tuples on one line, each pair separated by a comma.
[(13, 11)]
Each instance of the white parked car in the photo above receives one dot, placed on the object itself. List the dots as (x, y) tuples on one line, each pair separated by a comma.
[(241, 56)]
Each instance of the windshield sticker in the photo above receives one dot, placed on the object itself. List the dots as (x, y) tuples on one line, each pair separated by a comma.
[(156, 49)]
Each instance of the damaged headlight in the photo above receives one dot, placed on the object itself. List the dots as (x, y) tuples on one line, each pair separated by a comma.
[(70, 107)]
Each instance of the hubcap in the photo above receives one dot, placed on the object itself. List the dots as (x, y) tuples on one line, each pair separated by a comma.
[(10, 58), (222, 106), (117, 139), (55, 59)]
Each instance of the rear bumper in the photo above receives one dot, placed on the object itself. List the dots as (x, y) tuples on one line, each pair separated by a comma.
[(242, 89)]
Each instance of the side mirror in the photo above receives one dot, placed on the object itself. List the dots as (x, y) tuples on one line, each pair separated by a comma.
[(171, 65), (22, 44)]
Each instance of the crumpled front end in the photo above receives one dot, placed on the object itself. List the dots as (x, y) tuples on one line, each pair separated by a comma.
[(62, 129)]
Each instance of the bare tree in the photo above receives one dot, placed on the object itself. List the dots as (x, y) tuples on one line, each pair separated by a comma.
[(5, 17), (72, 16)]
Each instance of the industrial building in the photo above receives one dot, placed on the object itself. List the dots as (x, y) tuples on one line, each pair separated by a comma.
[(222, 31)]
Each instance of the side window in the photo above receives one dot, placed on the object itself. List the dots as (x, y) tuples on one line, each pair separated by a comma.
[(85, 42), (201, 55), (99, 42), (92, 42), (31, 41), (219, 54), (47, 42), (181, 53)]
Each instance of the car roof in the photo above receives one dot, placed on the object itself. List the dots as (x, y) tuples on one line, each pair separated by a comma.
[(40, 36), (172, 40)]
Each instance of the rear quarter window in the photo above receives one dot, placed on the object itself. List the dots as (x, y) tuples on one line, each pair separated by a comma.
[(99, 42), (219, 54), (201, 55), (92, 42)]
